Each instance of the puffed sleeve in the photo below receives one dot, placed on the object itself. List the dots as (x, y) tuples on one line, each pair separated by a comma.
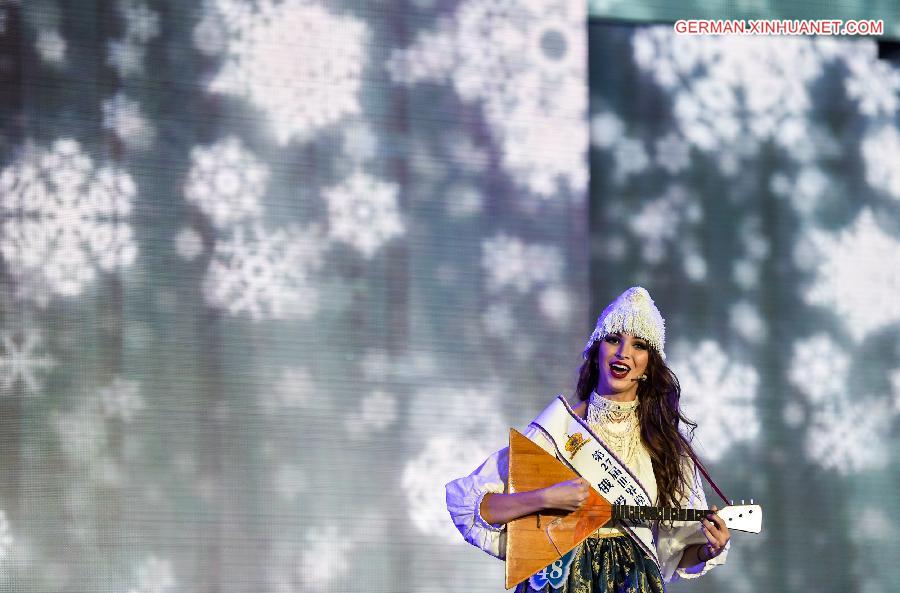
[(464, 496), (671, 541)]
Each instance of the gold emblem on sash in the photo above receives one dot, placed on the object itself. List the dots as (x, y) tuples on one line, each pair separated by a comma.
[(574, 443)]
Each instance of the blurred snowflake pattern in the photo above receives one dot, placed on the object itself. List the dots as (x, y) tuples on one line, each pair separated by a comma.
[(274, 271)]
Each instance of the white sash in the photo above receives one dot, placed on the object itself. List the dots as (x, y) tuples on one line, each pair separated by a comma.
[(587, 454)]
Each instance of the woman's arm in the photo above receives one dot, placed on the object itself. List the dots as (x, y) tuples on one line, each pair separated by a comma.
[(503, 508)]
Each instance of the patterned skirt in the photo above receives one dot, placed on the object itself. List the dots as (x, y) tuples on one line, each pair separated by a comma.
[(602, 565)]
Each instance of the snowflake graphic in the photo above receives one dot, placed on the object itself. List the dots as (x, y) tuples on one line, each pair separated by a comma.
[(720, 394), (265, 275), (509, 262), (872, 83), (154, 575), (126, 56), (121, 399), (498, 320), (854, 278), (728, 90), (471, 427), (806, 192), (847, 438), (123, 116), (745, 319), (81, 432), (64, 219), (376, 412), (315, 84), (659, 223), (293, 571), (141, 23), (6, 538), (556, 304), (324, 542), (819, 367), (442, 459), (51, 46), (630, 158), (363, 212), (524, 62), (607, 129), (20, 361), (188, 243), (879, 151), (672, 153), (293, 389), (226, 182)]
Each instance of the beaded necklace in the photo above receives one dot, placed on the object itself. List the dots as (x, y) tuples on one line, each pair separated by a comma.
[(617, 424)]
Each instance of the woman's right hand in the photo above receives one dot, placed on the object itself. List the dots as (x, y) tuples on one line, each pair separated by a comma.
[(568, 496)]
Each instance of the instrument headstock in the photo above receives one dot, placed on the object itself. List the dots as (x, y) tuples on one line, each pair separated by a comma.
[(743, 517)]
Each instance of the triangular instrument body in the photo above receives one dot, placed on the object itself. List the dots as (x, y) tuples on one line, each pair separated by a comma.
[(528, 539)]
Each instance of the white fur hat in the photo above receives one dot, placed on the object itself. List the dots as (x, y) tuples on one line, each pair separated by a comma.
[(633, 312)]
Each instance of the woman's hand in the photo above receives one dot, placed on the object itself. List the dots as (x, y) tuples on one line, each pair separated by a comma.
[(717, 536), (568, 496)]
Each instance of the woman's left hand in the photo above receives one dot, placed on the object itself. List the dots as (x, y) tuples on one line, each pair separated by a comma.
[(717, 536)]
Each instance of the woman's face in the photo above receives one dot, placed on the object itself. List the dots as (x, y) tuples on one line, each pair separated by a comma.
[(622, 360)]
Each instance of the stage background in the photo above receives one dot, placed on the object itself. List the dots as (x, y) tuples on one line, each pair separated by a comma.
[(273, 272), (752, 184)]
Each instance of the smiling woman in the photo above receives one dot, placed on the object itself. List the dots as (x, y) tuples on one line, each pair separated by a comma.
[(629, 400)]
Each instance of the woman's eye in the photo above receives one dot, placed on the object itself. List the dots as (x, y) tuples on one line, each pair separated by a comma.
[(612, 340), (640, 345)]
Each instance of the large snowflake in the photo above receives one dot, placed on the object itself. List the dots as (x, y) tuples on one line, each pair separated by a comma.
[(819, 367), (293, 390), (509, 262), (879, 151), (20, 360), (294, 60), (719, 394), (375, 413), (857, 277), (730, 90), (265, 275), (470, 428), (363, 212), (848, 437), (661, 221), (874, 84), (292, 568), (226, 182), (65, 219), (121, 399), (127, 53), (524, 62)]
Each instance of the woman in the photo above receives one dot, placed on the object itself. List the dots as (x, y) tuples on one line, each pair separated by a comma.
[(628, 401)]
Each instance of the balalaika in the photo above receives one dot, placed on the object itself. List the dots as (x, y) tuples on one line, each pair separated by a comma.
[(535, 541)]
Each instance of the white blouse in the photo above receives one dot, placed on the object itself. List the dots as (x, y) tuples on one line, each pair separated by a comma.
[(464, 496)]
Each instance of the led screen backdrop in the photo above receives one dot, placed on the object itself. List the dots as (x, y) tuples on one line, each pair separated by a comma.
[(752, 185), (273, 273)]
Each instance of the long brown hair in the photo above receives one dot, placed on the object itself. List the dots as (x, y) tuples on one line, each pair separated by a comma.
[(660, 418)]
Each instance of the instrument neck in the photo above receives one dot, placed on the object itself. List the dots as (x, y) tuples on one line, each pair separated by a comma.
[(636, 513)]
